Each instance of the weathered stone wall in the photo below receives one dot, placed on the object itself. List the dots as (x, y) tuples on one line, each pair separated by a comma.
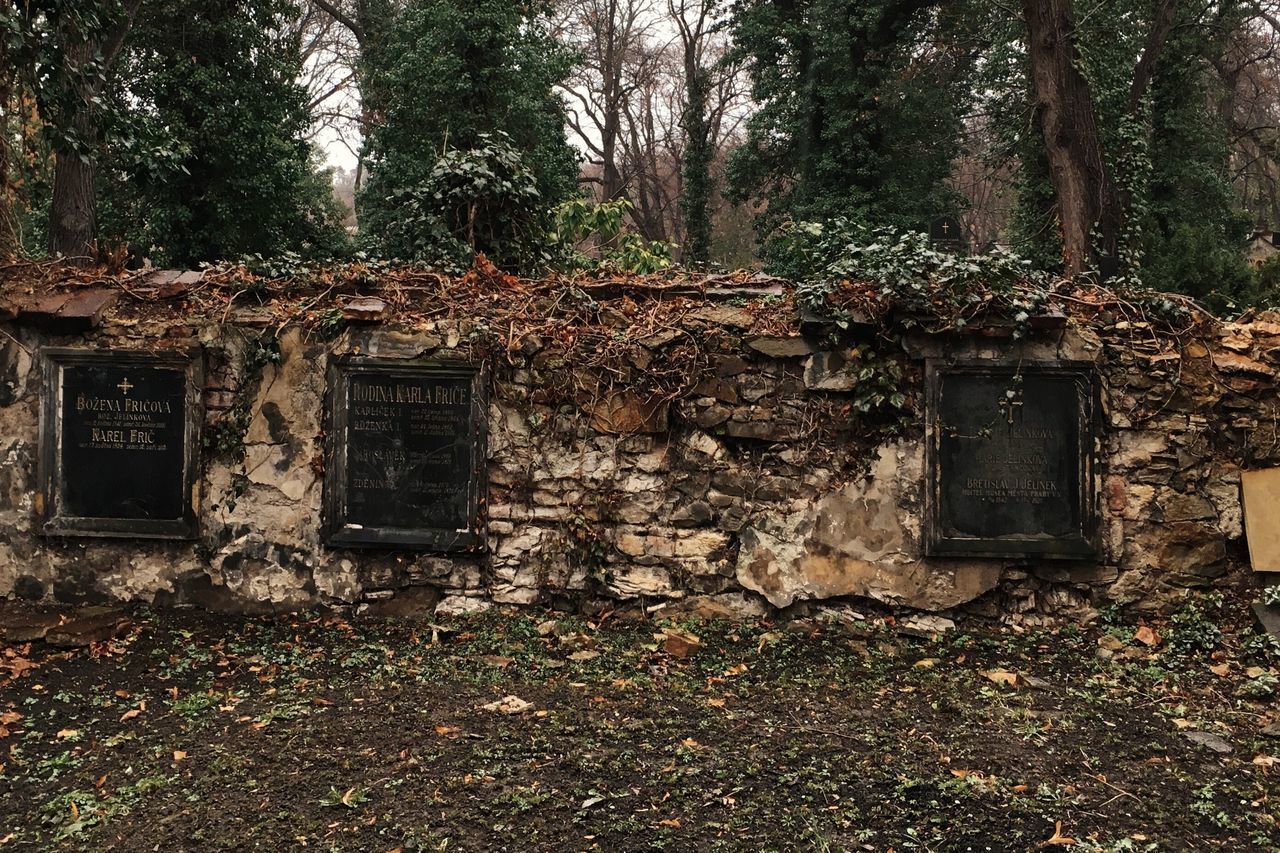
[(746, 493)]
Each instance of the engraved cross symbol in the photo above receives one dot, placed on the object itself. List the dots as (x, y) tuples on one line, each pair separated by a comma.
[(946, 228), (1008, 406), (125, 386)]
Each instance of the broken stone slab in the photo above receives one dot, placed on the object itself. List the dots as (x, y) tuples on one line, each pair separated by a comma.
[(660, 339), (1268, 617), (829, 371), (23, 626), (365, 309), (816, 324), (88, 626), (624, 412), (1210, 741), (724, 315), (1229, 362), (169, 284), (694, 514), (67, 313), (925, 626), (776, 346)]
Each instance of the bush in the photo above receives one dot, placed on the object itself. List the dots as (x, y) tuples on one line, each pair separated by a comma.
[(483, 199), (589, 236)]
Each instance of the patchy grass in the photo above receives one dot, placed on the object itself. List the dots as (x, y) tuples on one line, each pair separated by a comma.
[(200, 732)]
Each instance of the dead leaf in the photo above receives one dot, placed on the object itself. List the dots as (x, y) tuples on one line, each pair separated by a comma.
[(9, 717), (926, 663), (129, 715), (672, 822), (1058, 838), (179, 754), (66, 733), (583, 656), (1265, 760), (1146, 636), (716, 703), (18, 666), (1001, 676), (1221, 670), (497, 660), (737, 669)]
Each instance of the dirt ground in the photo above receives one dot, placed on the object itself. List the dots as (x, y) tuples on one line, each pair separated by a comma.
[(196, 732)]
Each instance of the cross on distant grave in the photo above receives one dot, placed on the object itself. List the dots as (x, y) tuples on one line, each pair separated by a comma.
[(1008, 406), (125, 386), (946, 228)]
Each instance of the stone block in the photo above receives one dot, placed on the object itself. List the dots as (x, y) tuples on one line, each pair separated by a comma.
[(702, 543), (829, 371), (775, 346)]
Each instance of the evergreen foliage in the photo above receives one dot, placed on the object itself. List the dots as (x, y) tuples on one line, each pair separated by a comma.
[(1169, 154), (210, 160), (855, 118), (449, 78)]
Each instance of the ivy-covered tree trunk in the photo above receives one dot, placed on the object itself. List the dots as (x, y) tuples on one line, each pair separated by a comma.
[(8, 212), (695, 202), (1086, 200)]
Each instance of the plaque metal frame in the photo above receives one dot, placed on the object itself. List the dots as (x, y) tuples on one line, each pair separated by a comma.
[(338, 532), (51, 518), (1082, 543)]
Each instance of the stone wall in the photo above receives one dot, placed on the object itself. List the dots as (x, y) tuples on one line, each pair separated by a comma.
[(744, 494)]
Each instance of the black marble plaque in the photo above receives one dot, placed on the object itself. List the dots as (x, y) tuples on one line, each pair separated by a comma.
[(1010, 460), (119, 433), (406, 455)]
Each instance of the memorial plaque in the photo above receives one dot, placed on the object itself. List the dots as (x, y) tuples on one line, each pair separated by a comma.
[(1010, 460), (119, 436), (947, 234), (406, 455)]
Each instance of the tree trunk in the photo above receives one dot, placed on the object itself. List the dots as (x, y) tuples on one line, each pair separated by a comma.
[(73, 213), (72, 218), (695, 196), (73, 221), (8, 213), (1086, 197)]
